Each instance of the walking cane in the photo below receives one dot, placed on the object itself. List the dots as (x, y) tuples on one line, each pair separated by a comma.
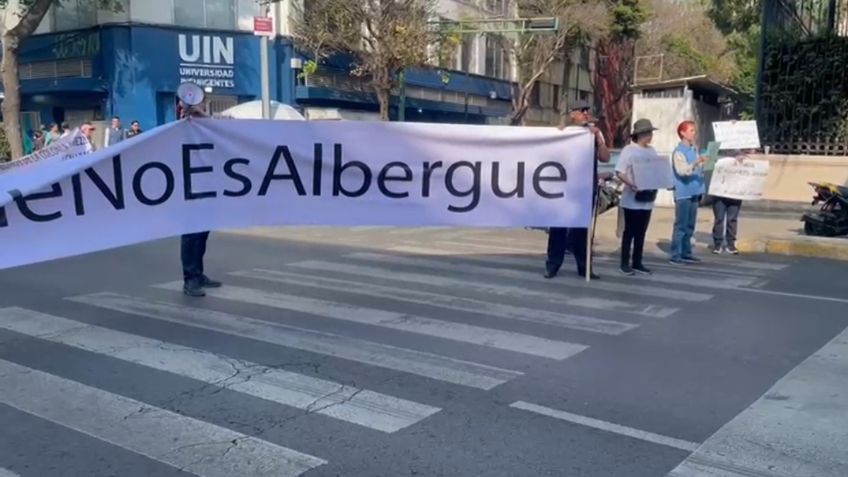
[(590, 236)]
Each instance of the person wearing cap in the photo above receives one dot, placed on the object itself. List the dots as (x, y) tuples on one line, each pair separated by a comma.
[(575, 239), (193, 245), (636, 204)]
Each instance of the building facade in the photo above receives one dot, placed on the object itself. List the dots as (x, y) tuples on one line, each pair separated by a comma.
[(89, 64)]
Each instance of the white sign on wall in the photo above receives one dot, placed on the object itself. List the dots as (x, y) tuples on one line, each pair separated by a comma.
[(744, 180), (737, 134), (208, 174), (208, 60)]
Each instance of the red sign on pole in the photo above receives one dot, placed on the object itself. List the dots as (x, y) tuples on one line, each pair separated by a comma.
[(263, 26)]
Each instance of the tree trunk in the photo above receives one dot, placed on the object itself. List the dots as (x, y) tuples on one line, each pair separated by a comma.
[(384, 97), (12, 100), (613, 77), (12, 40)]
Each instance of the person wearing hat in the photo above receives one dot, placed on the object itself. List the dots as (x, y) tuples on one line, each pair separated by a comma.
[(636, 204), (575, 239)]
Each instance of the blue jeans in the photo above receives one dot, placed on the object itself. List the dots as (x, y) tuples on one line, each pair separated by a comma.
[(685, 218)]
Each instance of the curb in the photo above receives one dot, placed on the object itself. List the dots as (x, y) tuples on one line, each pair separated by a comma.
[(800, 246)]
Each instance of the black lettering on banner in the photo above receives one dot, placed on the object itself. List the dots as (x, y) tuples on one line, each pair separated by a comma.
[(425, 180), (26, 211), (230, 172), (383, 177), (519, 182), (169, 183), (338, 169), (317, 165), (473, 190), (272, 167), (116, 198), (538, 178), (188, 171), (4, 221)]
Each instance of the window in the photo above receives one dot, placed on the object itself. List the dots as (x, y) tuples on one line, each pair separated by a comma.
[(219, 14), (74, 14), (584, 56), (496, 64), (557, 98), (465, 53), (536, 95)]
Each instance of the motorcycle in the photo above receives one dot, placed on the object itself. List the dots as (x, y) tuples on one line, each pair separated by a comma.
[(831, 219)]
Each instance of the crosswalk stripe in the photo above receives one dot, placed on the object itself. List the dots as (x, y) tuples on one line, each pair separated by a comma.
[(621, 287), (7, 473), (721, 282), (441, 368), (347, 403), (458, 303), (449, 330), (188, 444), (606, 426), (370, 272)]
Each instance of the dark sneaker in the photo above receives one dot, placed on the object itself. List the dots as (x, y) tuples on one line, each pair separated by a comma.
[(550, 274), (194, 289), (717, 250), (732, 250), (675, 261), (207, 282), (594, 276), (642, 269), (626, 270), (691, 260)]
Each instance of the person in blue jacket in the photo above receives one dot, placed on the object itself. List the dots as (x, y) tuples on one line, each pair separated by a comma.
[(689, 188)]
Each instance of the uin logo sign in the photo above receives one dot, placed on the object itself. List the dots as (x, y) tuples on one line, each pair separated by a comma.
[(207, 60)]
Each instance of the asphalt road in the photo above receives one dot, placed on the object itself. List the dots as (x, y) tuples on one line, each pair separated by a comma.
[(376, 352)]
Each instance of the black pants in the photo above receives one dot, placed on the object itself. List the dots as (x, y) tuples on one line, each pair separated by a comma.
[(560, 239), (725, 209), (635, 227), (192, 249)]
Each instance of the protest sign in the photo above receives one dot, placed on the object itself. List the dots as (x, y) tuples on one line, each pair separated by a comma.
[(653, 172), (208, 174), (737, 134), (744, 180)]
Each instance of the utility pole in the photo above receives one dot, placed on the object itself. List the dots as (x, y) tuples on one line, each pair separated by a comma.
[(261, 27)]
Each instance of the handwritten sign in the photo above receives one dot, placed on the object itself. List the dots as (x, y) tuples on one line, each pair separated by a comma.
[(739, 180), (737, 134), (652, 172)]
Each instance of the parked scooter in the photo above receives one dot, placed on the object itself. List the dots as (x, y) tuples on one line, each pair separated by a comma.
[(831, 219)]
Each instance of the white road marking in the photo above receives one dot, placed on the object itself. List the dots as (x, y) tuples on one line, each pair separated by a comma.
[(441, 368), (629, 288), (457, 303), (794, 295), (359, 406), (191, 445), (7, 473), (449, 330), (724, 282), (384, 273), (796, 429), (606, 426)]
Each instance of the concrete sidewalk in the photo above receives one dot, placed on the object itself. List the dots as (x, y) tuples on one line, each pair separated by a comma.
[(780, 234)]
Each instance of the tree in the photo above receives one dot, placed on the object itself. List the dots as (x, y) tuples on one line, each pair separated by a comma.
[(739, 20), (384, 38), (614, 68), (688, 41), (27, 15), (579, 21)]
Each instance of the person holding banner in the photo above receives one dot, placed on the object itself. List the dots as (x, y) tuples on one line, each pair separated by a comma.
[(576, 239), (689, 187), (193, 245), (636, 204)]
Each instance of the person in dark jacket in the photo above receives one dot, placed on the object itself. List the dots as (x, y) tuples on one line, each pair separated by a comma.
[(576, 239)]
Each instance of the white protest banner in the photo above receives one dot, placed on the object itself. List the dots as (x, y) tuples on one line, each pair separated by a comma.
[(208, 174), (28, 173), (744, 180), (737, 134), (653, 172)]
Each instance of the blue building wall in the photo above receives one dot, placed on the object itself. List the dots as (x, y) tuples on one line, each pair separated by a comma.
[(136, 69)]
